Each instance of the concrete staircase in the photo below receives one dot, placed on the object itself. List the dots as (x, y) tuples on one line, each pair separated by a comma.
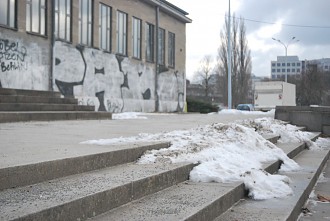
[(111, 186), (31, 105)]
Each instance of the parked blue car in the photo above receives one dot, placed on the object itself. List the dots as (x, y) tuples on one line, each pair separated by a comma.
[(245, 107)]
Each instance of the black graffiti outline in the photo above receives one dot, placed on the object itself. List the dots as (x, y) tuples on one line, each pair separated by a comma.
[(66, 88), (6, 48)]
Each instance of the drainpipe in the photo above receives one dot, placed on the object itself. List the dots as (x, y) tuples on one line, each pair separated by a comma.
[(157, 62), (52, 57)]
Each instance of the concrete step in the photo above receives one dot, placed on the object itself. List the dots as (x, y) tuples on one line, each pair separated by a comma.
[(316, 208), (289, 208), (189, 201), (85, 195), (39, 93), (36, 99), (6, 117), (11, 177), (43, 107)]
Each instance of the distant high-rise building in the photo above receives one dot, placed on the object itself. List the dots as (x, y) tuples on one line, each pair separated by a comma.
[(290, 65)]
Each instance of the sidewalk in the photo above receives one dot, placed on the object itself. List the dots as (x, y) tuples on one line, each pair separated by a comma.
[(32, 142)]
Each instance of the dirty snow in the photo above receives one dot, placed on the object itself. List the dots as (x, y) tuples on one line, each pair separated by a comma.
[(128, 115), (227, 153)]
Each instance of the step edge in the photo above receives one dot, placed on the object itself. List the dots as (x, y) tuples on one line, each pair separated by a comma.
[(39, 172)]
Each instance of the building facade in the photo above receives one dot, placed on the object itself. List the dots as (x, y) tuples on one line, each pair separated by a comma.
[(322, 64), (286, 65), (291, 65), (119, 55)]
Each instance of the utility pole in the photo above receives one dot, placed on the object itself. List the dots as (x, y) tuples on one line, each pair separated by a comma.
[(229, 62)]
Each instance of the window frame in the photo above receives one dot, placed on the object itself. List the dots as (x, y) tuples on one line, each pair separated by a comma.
[(67, 24), (108, 27), (161, 46), (150, 42), (29, 17), (88, 26), (171, 49), (11, 9), (136, 37), (122, 40)]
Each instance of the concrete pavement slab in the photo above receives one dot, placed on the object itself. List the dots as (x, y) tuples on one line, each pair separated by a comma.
[(33, 142)]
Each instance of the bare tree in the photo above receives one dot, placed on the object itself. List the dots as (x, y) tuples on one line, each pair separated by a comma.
[(311, 86), (204, 73), (240, 62)]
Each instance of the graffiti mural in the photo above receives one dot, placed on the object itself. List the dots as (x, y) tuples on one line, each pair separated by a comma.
[(24, 65), (12, 56), (114, 83)]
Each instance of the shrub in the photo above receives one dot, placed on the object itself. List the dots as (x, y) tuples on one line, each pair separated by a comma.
[(201, 107)]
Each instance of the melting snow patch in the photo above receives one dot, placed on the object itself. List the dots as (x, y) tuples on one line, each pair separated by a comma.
[(128, 115), (226, 153)]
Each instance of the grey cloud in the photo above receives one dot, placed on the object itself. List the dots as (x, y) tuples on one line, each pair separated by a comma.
[(306, 12)]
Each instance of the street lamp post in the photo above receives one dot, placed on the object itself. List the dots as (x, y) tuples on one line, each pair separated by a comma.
[(229, 63), (292, 40)]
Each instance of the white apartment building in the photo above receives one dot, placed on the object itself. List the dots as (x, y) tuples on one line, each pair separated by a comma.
[(290, 65), (322, 64)]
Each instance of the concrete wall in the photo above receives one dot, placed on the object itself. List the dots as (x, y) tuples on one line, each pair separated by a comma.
[(114, 83), (25, 57), (313, 118)]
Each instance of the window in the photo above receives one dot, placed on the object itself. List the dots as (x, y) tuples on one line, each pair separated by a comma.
[(283, 64), (293, 64), (85, 22), (137, 38), (293, 70), (273, 64), (298, 64), (288, 64), (121, 32), (161, 46), (283, 70), (105, 27), (171, 49), (150, 42), (326, 67), (278, 70), (278, 64), (63, 19), (288, 70), (298, 70), (273, 70), (8, 13), (36, 16)]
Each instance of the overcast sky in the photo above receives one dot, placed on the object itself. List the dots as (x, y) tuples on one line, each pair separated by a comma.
[(203, 34)]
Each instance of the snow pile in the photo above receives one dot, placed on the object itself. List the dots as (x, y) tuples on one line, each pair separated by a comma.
[(321, 143), (225, 153), (287, 132), (127, 115), (270, 113)]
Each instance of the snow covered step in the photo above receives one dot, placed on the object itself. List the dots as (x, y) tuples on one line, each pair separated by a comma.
[(187, 200), (22, 175), (78, 197), (289, 208)]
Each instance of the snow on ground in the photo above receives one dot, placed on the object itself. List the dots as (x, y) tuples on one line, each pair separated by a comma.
[(227, 153), (128, 115), (239, 112)]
